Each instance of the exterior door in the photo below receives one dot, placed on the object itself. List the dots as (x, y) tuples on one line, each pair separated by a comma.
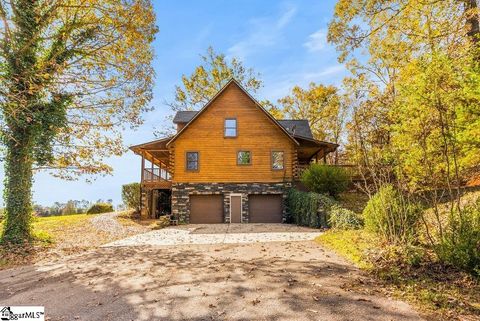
[(265, 208), (235, 208), (206, 209)]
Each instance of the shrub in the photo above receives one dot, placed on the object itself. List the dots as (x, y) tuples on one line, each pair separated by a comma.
[(342, 218), (100, 208), (318, 210), (131, 196), (460, 245), (325, 179), (308, 209), (392, 216)]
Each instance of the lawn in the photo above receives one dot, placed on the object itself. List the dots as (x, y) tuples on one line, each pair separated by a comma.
[(57, 236)]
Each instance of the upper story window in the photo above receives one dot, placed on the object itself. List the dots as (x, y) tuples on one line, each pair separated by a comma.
[(278, 159), (244, 158), (192, 161), (230, 127)]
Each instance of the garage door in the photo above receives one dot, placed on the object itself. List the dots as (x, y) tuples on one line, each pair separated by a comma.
[(206, 209), (265, 208)]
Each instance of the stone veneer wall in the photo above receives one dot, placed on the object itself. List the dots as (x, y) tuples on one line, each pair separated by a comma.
[(181, 196)]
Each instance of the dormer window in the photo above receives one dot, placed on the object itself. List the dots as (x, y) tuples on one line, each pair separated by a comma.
[(230, 127)]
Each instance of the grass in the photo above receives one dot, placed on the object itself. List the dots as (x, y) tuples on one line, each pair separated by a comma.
[(56, 236), (353, 249)]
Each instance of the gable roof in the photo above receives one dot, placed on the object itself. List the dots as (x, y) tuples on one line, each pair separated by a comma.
[(184, 116), (232, 81), (296, 127)]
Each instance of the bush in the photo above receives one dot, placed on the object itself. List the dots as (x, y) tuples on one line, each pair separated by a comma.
[(325, 179), (342, 218), (460, 245), (389, 214), (100, 208), (131, 196), (308, 209), (318, 210)]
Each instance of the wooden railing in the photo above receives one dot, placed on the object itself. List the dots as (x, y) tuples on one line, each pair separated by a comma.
[(155, 175)]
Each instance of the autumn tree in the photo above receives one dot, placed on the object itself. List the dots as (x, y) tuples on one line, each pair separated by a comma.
[(209, 77), (417, 89), (72, 75), (321, 105)]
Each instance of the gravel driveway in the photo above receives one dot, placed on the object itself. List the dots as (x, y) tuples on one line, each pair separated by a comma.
[(219, 234), (280, 281)]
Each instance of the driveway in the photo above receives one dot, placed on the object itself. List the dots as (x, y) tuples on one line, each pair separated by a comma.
[(294, 280), (220, 234)]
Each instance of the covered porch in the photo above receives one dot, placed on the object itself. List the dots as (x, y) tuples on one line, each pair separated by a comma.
[(156, 178), (310, 151)]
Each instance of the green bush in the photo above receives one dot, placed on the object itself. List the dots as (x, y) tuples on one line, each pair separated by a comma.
[(392, 216), (342, 218), (325, 179), (460, 245), (318, 210), (131, 196), (308, 209), (100, 208)]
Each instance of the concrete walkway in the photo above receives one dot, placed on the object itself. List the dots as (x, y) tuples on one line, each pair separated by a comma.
[(220, 234)]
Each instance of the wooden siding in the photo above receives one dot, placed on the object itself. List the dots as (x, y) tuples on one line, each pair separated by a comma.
[(218, 155)]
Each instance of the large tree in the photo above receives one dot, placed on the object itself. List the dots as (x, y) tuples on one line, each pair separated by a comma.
[(321, 105), (206, 80), (416, 92), (72, 75), (209, 77)]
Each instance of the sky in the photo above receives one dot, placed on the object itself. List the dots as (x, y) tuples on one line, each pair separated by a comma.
[(284, 41)]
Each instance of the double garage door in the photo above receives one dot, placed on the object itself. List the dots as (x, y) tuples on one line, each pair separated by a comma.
[(208, 209)]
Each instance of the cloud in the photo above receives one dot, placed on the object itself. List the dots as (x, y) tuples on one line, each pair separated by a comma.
[(329, 71), (281, 86), (317, 41), (263, 32)]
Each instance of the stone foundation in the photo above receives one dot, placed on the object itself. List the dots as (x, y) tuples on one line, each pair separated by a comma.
[(181, 196)]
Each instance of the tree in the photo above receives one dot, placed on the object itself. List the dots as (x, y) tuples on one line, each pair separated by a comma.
[(417, 93), (72, 75), (131, 196), (208, 78), (321, 105)]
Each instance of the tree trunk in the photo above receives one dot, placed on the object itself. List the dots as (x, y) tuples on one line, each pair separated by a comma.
[(18, 188)]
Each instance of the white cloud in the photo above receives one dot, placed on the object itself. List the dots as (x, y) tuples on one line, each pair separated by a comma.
[(263, 32), (278, 87), (317, 41)]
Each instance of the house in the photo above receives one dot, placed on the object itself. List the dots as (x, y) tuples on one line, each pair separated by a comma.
[(230, 162), (5, 313)]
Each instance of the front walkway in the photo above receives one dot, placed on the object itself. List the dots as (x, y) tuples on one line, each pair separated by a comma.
[(220, 233)]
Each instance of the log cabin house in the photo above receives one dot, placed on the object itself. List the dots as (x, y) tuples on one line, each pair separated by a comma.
[(230, 162)]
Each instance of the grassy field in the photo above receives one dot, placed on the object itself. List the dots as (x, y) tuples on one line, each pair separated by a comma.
[(57, 236), (442, 293)]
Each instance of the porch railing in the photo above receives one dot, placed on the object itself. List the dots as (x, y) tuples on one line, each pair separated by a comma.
[(155, 175)]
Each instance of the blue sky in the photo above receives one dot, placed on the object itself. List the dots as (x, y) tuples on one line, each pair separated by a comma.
[(283, 41)]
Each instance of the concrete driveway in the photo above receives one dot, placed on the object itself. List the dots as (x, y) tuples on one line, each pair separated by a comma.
[(220, 234), (281, 281)]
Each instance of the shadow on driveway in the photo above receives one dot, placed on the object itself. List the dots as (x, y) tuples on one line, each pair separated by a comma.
[(265, 281)]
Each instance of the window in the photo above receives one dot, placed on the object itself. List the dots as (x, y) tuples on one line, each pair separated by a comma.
[(230, 127), (244, 158), (192, 161), (277, 160)]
